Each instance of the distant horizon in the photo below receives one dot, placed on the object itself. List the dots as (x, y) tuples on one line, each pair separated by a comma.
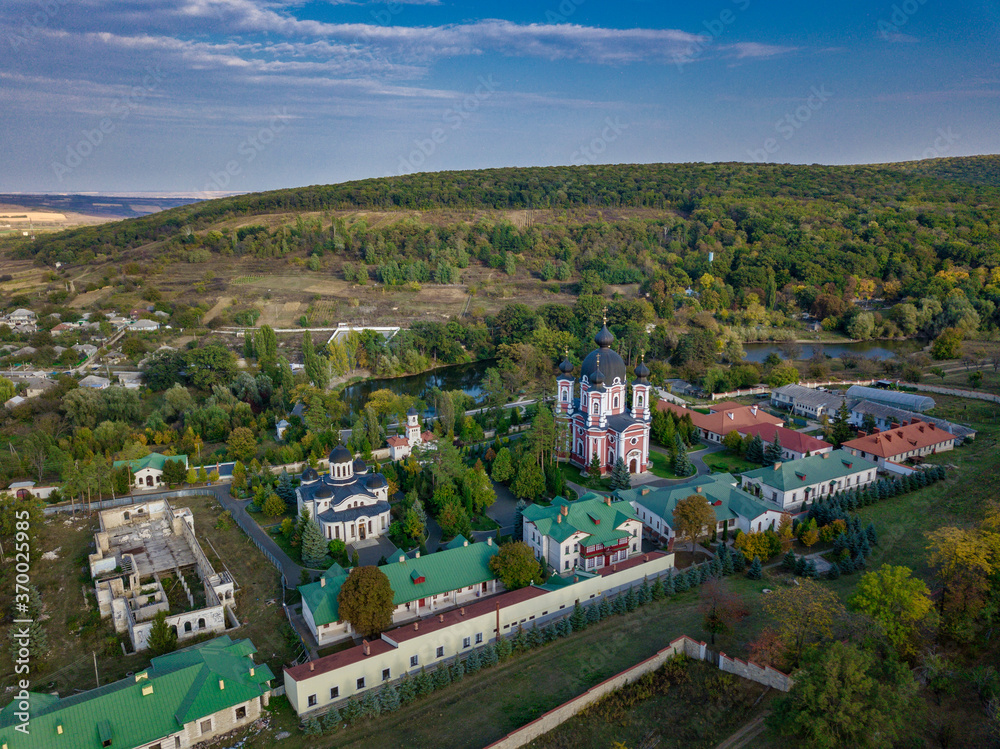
[(209, 96), (199, 195)]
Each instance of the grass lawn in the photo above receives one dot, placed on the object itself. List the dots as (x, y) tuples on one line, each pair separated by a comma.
[(484, 523), (726, 462), (661, 466)]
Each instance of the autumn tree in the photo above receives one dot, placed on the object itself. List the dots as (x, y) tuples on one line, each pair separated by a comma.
[(762, 544), (733, 442), (845, 696), (803, 614), (721, 608), (896, 600), (365, 600), (242, 444), (693, 518), (515, 565)]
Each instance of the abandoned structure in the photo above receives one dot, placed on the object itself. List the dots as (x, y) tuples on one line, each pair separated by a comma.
[(148, 560)]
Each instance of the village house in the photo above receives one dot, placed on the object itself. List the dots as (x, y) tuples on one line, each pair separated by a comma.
[(349, 504), (93, 381), (421, 587), (183, 699), (886, 417), (794, 444), (147, 472), (734, 509), (401, 447), (21, 316), (913, 440), (791, 484), (589, 534), (147, 561), (809, 402), (317, 685), (724, 417)]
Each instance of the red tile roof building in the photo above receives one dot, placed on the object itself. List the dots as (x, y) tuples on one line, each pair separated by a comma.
[(915, 439), (794, 445), (731, 416)]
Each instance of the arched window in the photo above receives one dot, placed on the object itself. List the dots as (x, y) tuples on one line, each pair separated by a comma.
[(597, 406), (187, 626), (640, 401), (616, 401), (201, 624)]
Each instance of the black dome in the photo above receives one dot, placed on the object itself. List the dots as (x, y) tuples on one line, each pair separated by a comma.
[(323, 493), (604, 338), (566, 366), (309, 475), (612, 366), (340, 454), (642, 371), (412, 411), (375, 482), (360, 466)]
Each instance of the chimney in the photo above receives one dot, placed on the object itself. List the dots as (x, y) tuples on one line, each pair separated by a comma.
[(559, 518), (461, 611), (614, 567), (607, 501), (489, 540), (365, 647), (876, 430), (416, 626), (777, 465), (322, 582), (417, 555), (402, 558), (465, 543), (862, 434), (312, 666), (222, 685), (698, 489), (441, 618), (826, 455), (564, 510), (251, 671), (895, 425)]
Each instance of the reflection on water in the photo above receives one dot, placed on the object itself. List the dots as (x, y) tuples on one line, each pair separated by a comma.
[(464, 377), (880, 350)]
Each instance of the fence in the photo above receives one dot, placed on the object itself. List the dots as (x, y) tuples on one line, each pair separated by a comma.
[(128, 499), (243, 521), (683, 644)]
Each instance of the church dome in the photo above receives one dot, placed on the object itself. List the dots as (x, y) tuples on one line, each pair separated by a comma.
[(323, 493), (411, 411), (612, 365), (642, 371), (375, 482), (360, 466), (309, 475), (340, 454)]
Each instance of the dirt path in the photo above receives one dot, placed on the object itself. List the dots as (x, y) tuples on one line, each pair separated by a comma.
[(220, 305), (745, 735)]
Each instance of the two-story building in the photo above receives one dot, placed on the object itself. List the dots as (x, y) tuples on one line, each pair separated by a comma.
[(790, 484), (421, 587), (794, 444), (809, 402), (588, 534), (734, 509)]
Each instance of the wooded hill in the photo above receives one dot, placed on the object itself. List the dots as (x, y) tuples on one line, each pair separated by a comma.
[(893, 231)]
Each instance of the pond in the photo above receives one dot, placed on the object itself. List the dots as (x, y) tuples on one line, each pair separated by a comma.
[(757, 352), (464, 377)]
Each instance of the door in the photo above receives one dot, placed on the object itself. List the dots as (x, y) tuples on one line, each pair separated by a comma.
[(633, 466), (361, 530)]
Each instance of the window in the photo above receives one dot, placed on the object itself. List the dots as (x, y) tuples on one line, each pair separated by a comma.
[(385, 674), (334, 692), (361, 683), (414, 660), (312, 700), (241, 713), (440, 652), (479, 637), (466, 642), (206, 725), (566, 567)]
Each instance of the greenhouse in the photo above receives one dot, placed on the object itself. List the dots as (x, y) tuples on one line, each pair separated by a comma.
[(912, 401)]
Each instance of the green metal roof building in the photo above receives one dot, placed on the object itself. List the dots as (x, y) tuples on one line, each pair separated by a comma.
[(153, 460), (794, 482), (588, 534), (733, 507), (459, 573), (183, 698)]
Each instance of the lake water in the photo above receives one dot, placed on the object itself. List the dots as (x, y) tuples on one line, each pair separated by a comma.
[(757, 352), (464, 377)]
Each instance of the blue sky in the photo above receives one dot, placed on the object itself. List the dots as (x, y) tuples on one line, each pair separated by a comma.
[(240, 95)]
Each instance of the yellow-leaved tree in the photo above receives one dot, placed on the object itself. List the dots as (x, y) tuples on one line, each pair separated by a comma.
[(896, 600)]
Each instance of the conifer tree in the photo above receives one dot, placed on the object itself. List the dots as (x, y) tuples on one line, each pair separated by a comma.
[(789, 561), (389, 699), (313, 728), (370, 705), (314, 546), (755, 450), (681, 582), (772, 453), (457, 669), (620, 477), (681, 463), (474, 662), (442, 676), (834, 572), (579, 618), (756, 571), (424, 683), (331, 720), (657, 592)]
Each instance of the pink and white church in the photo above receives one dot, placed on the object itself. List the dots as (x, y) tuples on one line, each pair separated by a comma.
[(600, 423)]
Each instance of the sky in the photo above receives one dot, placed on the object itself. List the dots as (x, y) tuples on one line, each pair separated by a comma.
[(246, 95)]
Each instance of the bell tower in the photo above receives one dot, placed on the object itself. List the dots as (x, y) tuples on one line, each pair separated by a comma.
[(640, 392)]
